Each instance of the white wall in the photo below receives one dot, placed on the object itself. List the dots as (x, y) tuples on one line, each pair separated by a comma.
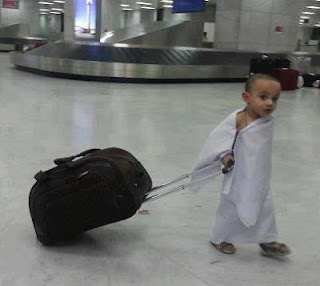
[(304, 34), (210, 29), (110, 15), (250, 24), (26, 14), (134, 17), (131, 17)]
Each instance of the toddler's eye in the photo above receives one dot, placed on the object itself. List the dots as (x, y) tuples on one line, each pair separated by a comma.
[(275, 99), (263, 96)]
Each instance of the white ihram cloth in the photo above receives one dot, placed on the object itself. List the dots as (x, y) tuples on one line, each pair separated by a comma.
[(245, 213)]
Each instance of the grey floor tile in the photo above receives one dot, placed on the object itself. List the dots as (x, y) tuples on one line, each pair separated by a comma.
[(165, 126)]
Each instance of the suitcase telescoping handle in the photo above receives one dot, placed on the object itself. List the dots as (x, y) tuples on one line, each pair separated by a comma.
[(229, 166)]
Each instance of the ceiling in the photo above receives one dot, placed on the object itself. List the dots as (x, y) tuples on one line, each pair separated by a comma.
[(309, 14), (57, 6), (309, 17), (134, 4), (51, 6)]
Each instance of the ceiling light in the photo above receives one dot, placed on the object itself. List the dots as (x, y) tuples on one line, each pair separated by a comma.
[(317, 25), (45, 3), (124, 5), (144, 3), (308, 13), (59, 1), (167, 6), (57, 9), (127, 9), (44, 10), (313, 7), (170, 1), (56, 13), (304, 17), (147, 7)]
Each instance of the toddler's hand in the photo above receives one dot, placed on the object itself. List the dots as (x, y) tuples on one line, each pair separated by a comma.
[(228, 162), (226, 159)]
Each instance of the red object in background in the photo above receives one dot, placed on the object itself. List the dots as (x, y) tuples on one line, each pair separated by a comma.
[(288, 78), (144, 212), (279, 29), (11, 4)]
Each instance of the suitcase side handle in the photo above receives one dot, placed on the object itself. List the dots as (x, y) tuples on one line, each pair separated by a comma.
[(60, 161)]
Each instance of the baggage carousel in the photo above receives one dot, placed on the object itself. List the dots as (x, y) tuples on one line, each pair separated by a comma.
[(133, 63)]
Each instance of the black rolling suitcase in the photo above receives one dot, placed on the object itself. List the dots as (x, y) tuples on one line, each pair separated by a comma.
[(264, 65), (282, 63), (102, 187), (309, 79)]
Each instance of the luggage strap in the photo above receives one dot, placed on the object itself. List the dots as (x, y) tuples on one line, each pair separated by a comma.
[(60, 161), (41, 176)]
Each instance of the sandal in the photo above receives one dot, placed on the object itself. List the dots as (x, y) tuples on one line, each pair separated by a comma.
[(274, 249), (224, 247)]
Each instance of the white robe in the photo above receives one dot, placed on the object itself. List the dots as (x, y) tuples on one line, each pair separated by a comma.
[(245, 213)]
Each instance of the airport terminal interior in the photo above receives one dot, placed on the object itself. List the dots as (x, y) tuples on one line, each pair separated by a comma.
[(62, 91)]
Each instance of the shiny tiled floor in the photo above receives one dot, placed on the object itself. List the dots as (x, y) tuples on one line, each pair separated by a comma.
[(165, 126)]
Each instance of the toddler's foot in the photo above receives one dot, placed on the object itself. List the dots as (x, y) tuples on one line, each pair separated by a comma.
[(274, 249), (225, 247)]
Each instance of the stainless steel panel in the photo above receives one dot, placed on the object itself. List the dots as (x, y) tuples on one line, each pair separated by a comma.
[(169, 33), (142, 62), (18, 34), (15, 31), (127, 70)]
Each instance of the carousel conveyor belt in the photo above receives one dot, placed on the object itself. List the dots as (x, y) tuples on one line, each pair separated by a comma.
[(132, 63)]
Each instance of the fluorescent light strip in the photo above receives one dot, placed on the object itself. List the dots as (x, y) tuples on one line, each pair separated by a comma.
[(127, 9), (304, 17), (56, 13), (124, 5), (147, 7), (59, 1), (308, 13), (44, 10), (45, 3), (170, 1), (313, 7), (57, 9), (167, 6), (144, 3)]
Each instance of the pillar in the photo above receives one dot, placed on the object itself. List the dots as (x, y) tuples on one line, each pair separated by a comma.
[(69, 20)]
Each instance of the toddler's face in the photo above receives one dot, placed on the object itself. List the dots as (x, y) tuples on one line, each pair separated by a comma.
[(263, 98)]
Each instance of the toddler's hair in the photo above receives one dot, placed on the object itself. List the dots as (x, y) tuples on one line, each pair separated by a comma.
[(252, 79)]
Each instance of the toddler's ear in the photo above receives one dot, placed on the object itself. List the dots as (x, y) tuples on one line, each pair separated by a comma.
[(245, 97)]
